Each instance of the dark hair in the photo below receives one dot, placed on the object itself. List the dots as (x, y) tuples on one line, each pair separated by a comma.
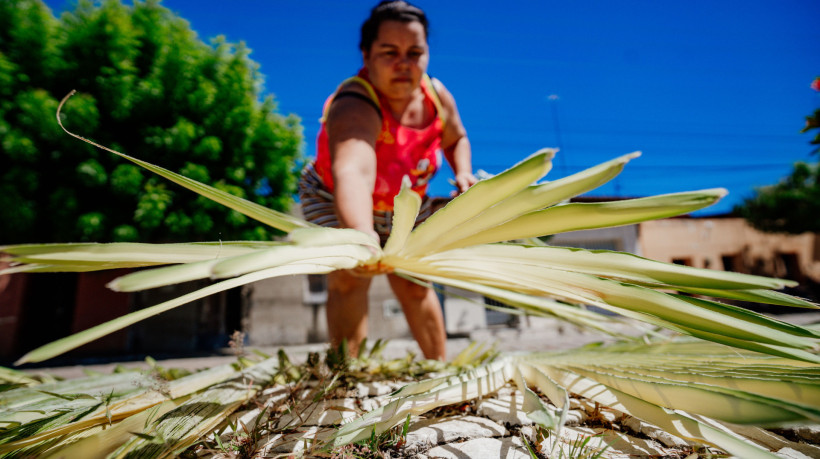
[(389, 10)]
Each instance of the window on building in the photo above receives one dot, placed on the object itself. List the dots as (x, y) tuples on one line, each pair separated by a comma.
[(682, 261), (733, 262), (315, 289), (816, 247), (789, 266)]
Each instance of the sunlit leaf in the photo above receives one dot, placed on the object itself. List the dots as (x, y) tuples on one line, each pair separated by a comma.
[(532, 198), (480, 196), (584, 216), (406, 207)]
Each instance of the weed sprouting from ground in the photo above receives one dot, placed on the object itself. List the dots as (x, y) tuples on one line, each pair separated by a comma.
[(580, 447), (377, 446), (237, 343)]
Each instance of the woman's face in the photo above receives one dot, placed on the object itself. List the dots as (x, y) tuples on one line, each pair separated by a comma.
[(398, 58)]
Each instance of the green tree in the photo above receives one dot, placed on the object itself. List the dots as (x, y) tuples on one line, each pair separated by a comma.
[(793, 204), (148, 86)]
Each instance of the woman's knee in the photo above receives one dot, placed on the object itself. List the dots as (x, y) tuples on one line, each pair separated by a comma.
[(345, 283), (404, 288)]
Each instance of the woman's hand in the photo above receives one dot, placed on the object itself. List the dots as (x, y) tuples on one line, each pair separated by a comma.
[(455, 144), (372, 269), (463, 181)]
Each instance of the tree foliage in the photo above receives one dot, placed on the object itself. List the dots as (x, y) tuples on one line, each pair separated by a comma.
[(147, 86), (793, 204)]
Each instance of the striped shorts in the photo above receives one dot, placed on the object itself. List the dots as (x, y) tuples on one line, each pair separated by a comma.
[(317, 206)]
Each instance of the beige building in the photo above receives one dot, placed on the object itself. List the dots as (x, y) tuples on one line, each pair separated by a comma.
[(731, 244)]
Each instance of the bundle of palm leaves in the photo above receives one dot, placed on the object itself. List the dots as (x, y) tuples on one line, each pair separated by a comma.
[(768, 375)]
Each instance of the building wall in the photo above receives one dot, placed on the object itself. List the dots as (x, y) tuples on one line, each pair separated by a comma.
[(621, 238), (731, 244), (277, 314)]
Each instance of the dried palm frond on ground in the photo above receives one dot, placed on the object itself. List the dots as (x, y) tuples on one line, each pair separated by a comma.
[(143, 414)]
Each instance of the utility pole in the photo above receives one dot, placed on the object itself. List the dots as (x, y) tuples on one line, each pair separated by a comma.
[(553, 100)]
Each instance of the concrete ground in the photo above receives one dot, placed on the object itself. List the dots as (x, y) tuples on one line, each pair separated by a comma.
[(531, 334)]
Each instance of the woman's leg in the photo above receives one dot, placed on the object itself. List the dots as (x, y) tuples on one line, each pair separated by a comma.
[(346, 309), (423, 312)]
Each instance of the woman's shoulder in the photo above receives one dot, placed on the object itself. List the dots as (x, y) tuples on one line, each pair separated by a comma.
[(358, 88), (354, 94), (446, 99), (359, 85)]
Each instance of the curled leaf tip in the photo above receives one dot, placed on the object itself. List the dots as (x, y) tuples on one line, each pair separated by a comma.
[(716, 193), (547, 153), (60, 107), (406, 183)]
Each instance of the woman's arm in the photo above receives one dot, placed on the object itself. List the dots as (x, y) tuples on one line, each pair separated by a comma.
[(455, 144), (353, 127)]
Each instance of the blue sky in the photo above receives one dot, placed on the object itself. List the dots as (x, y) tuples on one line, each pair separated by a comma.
[(713, 93)]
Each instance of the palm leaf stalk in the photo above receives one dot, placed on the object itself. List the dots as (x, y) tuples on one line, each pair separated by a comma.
[(461, 243), (696, 390)]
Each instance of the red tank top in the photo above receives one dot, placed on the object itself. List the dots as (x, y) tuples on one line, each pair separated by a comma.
[(400, 150)]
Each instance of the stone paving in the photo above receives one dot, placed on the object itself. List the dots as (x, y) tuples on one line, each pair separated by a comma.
[(492, 427), (495, 427)]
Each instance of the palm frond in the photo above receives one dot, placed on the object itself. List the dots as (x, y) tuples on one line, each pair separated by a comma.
[(464, 245)]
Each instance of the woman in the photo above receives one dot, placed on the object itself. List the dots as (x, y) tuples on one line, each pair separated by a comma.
[(389, 121)]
